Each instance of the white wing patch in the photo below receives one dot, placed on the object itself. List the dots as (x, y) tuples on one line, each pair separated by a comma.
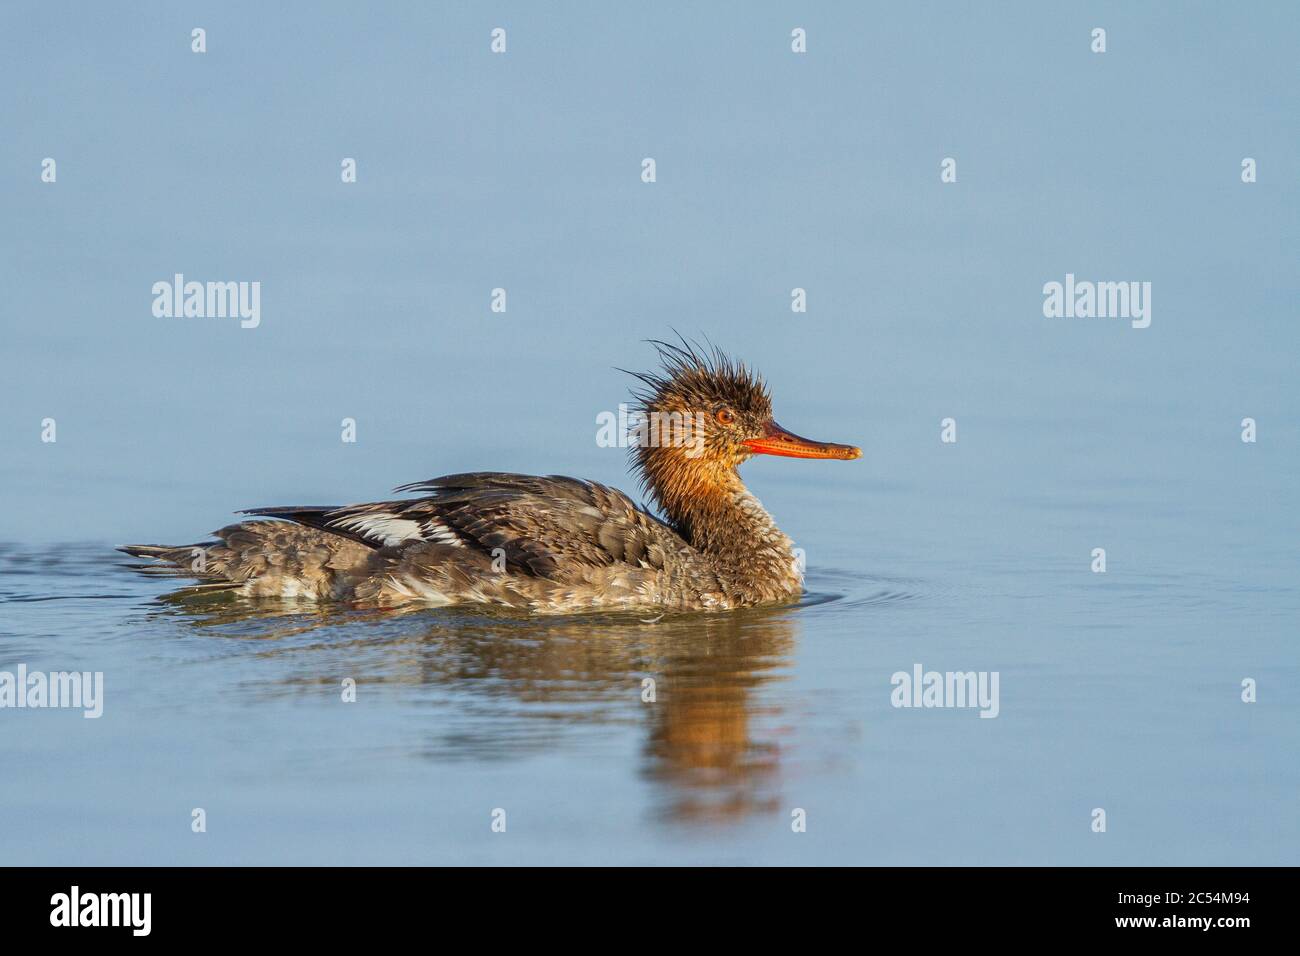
[(386, 528), (441, 534), (389, 529)]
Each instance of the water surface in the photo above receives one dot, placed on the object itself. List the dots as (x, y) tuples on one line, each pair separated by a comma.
[(1117, 690)]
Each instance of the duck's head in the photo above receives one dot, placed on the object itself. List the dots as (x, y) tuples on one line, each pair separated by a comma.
[(700, 417)]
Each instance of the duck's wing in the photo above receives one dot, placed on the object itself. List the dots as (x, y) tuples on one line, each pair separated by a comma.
[(550, 527)]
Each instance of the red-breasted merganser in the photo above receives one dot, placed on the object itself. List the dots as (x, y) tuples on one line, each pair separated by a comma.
[(553, 544)]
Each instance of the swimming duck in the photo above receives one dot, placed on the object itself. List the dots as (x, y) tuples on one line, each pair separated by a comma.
[(547, 544)]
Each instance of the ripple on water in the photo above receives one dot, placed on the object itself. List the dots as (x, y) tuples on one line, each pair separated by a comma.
[(853, 591), (21, 598)]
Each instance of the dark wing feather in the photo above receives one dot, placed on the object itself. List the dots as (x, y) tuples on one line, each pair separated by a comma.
[(551, 527)]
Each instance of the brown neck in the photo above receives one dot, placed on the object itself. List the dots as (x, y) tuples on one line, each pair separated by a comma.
[(709, 506)]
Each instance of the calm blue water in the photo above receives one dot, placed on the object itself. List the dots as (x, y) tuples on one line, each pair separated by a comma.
[(1119, 691)]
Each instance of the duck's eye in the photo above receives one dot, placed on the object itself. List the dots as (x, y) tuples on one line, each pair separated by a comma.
[(725, 416)]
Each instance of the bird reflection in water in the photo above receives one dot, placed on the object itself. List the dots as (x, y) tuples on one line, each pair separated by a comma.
[(507, 686)]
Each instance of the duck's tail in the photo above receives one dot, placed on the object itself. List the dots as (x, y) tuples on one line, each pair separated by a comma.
[(181, 561), (186, 560), (262, 559)]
